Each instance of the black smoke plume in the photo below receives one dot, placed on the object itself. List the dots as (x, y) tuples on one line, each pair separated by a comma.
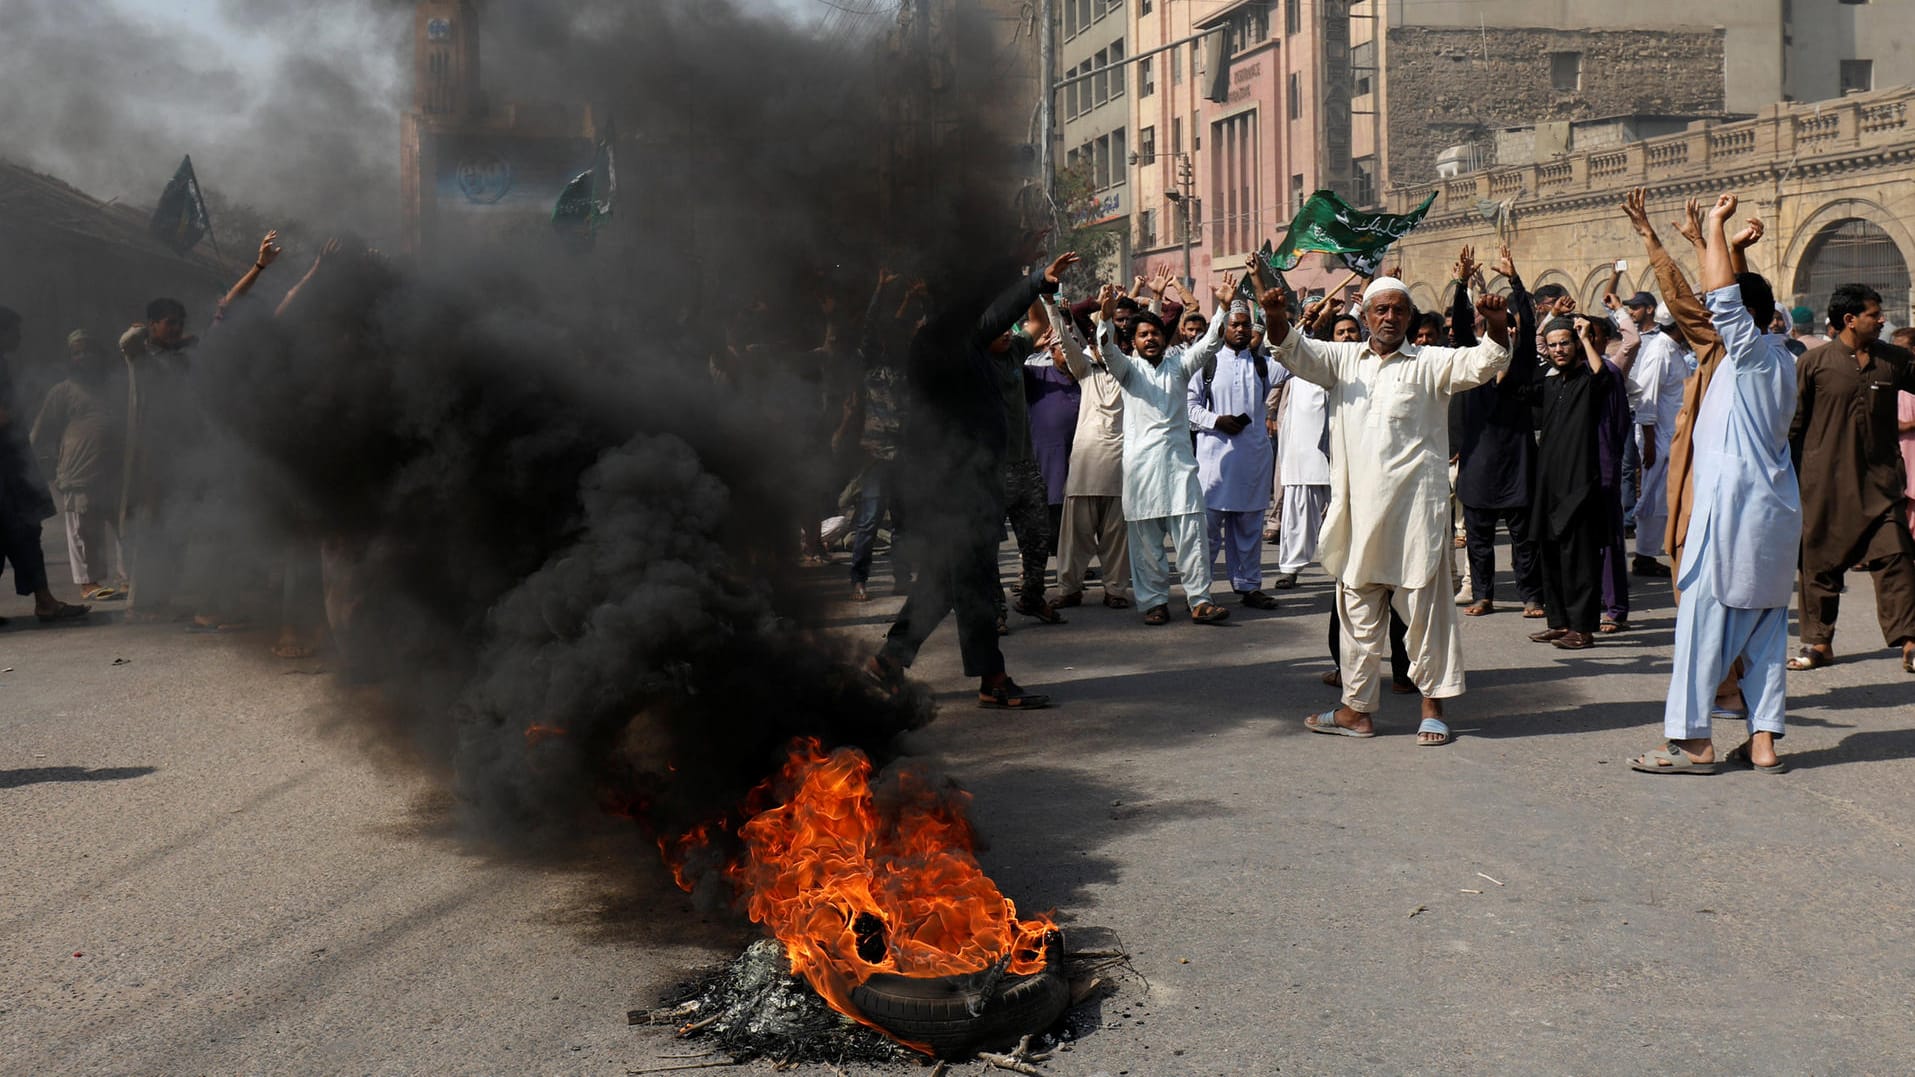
[(557, 494)]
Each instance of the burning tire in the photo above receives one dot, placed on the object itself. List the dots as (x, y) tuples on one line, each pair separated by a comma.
[(956, 1016)]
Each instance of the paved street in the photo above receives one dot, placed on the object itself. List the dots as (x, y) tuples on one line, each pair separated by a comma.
[(212, 871)]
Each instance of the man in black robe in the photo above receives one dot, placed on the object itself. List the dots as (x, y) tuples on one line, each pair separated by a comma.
[(1570, 518)]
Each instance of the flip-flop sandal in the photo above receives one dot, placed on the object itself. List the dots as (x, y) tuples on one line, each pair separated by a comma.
[(1157, 615), (1809, 658), (1534, 612), (1478, 609), (104, 594), (1670, 759), (1327, 723), (1740, 758), (1609, 626), (1433, 725), (1208, 613)]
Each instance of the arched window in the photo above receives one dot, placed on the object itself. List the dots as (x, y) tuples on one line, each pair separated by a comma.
[(1854, 251)]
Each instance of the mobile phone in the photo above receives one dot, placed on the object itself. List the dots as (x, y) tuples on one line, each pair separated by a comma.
[(1622, 265)]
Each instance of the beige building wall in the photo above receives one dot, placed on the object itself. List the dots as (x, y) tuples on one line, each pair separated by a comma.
[(1834, 183)]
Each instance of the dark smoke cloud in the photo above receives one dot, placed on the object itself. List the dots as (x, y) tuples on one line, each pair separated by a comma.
[(299, 116), (561, 546)]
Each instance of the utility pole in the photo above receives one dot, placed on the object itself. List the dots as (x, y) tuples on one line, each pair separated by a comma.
[(1185, 198)]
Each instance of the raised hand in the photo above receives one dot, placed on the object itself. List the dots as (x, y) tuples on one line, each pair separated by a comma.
[(1750, 235), (1465, 264), (1724, 207), (1635, 206), (1227, 289), (1689, 226), (1505, 264), (1107, 300), (269, 249), (886, 277), (1137, 285), (1054, 273), (1495, 312)]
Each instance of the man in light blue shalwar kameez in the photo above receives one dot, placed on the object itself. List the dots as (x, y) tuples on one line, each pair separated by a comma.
[(1235, 454), (1738, 567)]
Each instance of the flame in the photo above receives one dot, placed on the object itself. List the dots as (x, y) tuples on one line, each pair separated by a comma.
[(853, 888), (538, 731)]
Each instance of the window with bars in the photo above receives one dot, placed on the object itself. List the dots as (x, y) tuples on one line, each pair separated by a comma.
[(1146, 77)]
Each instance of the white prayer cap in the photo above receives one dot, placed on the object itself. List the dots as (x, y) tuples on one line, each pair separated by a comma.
[(1663, 317), (1384, 284)]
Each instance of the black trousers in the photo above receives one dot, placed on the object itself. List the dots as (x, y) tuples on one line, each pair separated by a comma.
[(1572, 569), (1480, 544), (20, 548), (1399, 652), (957, 572)]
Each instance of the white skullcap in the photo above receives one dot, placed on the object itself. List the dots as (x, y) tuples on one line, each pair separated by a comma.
[(1384, 284)]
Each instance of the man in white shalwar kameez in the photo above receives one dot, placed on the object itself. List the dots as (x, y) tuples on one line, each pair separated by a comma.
[(1234, 453), (1304, 468), (1661, 366), (1738, 564), (1161, 495), (1387, 535)]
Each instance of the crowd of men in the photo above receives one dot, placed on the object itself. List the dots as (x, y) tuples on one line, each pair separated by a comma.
[(108, 447), (1710, 425), (1379, 441)]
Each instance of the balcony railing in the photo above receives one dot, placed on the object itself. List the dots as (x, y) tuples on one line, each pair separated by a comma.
[(1858, 123)]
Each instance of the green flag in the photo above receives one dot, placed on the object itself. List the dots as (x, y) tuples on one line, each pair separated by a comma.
[(587, 200), (180, 217), (1328, 223)]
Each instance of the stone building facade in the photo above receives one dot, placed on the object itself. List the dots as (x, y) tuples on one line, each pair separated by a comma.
[(1452, 87), (1834, 183)]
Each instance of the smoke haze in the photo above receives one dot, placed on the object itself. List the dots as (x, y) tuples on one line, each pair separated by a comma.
[(556, 494)]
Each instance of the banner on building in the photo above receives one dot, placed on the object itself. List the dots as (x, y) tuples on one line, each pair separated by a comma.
[(1329, 224)]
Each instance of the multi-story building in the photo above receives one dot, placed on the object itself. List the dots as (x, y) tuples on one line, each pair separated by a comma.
[(1577, 76), (1289, 125), (1094, 117)]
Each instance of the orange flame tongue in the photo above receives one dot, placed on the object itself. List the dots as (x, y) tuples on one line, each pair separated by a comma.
[(852, 890)]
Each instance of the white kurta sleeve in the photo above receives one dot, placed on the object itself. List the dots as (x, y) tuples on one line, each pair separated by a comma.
[(1470, 367), (1312, 360), (1114, 357)]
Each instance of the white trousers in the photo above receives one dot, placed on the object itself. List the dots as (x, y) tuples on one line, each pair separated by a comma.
[(1303, 509), (1435, 646), (92, 553), (1150, 572), (1652, 504), (1238, 536), (1709, 638)]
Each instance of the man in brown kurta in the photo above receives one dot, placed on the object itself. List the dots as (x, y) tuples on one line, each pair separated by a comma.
[(1844, 437)]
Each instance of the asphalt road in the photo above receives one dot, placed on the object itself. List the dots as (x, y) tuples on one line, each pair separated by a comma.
[(210, 870)]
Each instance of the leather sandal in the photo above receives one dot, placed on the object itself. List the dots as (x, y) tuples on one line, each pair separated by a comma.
[(1548, 635)]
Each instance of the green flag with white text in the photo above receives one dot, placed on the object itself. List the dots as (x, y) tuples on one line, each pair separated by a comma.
[(1329, 224)]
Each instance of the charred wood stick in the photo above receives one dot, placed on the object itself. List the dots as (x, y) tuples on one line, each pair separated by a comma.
[(940, 1069), (680, 1069), (1006, 1062), (700, 1025)]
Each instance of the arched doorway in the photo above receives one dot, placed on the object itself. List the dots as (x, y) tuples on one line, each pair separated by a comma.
[(1853, 251)]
